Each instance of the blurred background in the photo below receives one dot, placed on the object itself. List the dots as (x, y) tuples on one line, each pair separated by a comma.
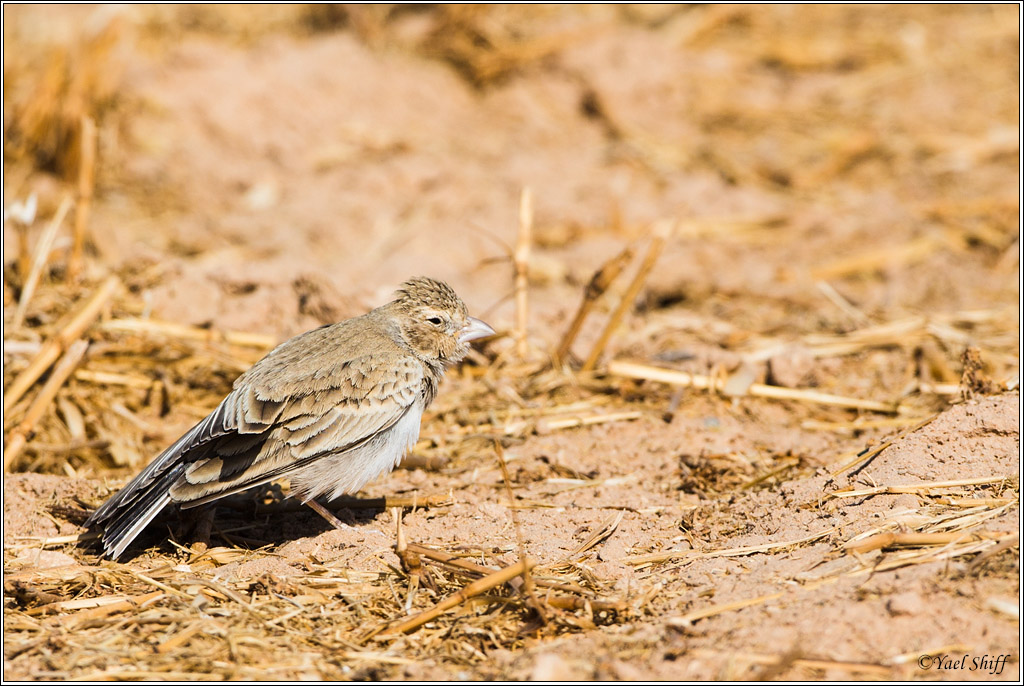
[(266, 168)]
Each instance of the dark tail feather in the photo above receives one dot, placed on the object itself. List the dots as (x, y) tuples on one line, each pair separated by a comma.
[(126, 520)]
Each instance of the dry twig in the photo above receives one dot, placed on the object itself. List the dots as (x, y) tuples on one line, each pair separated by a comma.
[(862, 458), (892, 539), (494, 580), (690, 617), (599, 283), (19, 436), (53, 348), (460, 563), (86, 183), (603, 532), (42, 254), (661, 234), (636, 370), (925, 487), (192, 333), (878, 258)]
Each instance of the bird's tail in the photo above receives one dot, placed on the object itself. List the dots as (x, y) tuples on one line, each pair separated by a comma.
[(124, 516)]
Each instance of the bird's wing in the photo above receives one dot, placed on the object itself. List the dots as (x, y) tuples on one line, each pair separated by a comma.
[(337, 418), (262, 431)]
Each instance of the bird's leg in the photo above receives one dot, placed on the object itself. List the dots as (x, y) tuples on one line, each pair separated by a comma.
[(197, 525), (328, 515)]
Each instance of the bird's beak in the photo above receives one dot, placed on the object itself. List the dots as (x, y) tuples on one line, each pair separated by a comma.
[(473, 330)]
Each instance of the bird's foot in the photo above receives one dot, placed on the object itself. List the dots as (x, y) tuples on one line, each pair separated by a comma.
[(197, 526), (328, 515)]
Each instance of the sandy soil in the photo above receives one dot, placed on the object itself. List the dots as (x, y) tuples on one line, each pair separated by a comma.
[(825, 171)]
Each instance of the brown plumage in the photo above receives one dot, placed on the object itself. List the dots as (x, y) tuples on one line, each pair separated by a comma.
[(330, 409)]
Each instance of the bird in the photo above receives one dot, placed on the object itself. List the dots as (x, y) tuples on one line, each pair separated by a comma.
[(330, 410)]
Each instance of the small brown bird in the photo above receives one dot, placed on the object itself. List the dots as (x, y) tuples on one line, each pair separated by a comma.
[(330, 409)]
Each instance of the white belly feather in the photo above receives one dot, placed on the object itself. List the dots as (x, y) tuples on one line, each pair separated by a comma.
[(347, 472)]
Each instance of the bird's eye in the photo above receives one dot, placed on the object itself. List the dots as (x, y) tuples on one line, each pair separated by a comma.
[(436, 321)]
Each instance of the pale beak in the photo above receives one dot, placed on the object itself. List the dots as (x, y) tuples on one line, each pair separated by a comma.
[(473, 330)]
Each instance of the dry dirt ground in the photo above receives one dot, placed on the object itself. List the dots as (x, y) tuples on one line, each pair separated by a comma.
[(838, 193)]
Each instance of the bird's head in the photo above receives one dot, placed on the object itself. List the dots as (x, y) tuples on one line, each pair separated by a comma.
[(434, 321)]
